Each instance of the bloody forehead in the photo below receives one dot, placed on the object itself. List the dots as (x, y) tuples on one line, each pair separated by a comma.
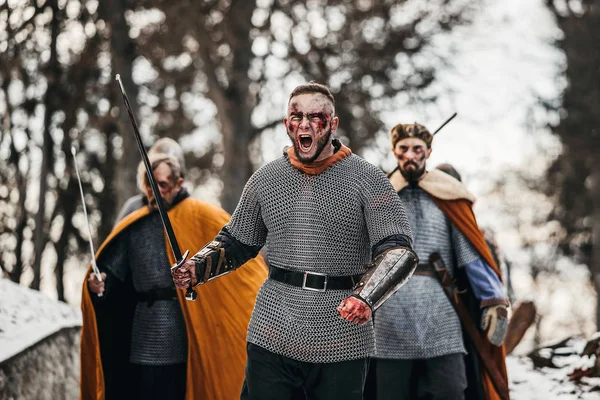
[(310, 103)]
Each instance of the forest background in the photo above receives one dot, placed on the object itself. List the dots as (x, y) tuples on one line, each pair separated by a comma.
[(524, 78)]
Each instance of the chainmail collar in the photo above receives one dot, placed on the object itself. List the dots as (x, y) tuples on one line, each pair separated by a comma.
[(437, 183), (317, 167), (182, 195)]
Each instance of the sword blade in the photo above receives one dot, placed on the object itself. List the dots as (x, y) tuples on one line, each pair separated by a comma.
[(94, 265), (190, 294), (157, 197)]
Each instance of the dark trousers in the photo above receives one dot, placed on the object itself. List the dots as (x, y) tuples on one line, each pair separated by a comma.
[(435, 378), (159, 382), (270, 376)]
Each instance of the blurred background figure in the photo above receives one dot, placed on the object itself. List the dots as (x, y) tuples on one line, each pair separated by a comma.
[(502, 262), (140, 338), (166, 146)]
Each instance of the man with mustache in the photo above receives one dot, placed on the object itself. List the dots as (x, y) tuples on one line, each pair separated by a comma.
[(338, 243), (140, 337), (420, 345)]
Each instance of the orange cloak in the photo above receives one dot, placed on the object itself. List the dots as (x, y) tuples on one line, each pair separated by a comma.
[(216, 322)]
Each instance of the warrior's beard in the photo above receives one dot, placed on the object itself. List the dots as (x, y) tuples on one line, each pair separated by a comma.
[(167, 204), (412, 175), (321, 143)]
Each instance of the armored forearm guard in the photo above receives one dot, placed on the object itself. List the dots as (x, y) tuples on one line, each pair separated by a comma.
[(211, 262), (387, 273)]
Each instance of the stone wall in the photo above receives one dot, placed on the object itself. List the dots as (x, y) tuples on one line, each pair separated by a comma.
[(46, 370)]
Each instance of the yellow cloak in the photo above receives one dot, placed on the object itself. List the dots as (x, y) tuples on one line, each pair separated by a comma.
[(216, 322)]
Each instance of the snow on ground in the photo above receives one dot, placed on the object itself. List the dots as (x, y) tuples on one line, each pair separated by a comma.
[(28, 316), (528, 383)]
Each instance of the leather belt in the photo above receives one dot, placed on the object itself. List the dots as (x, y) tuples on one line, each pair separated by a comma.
[(157, 294), (314, 281), (425, 269)]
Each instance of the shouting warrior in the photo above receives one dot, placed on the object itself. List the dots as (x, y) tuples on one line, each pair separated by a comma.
[(141, 338), (420, 344), (324, 214)]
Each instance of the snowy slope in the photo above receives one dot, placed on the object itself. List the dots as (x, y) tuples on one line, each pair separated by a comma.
[(528, 383), (28, 316)]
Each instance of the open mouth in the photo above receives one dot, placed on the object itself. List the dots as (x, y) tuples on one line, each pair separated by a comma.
[(305, 142)]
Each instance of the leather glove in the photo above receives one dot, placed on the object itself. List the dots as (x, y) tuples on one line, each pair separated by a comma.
[(494, 322)]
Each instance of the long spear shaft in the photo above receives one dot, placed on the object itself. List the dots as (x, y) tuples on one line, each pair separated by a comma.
[(190, 294), (94, 265), (444, 124)]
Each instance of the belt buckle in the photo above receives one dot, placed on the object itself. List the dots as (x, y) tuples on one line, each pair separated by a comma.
[(306, 273)]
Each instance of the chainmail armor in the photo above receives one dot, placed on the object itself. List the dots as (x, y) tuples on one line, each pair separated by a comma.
[(418, 321), (159, 333), (324, 223)]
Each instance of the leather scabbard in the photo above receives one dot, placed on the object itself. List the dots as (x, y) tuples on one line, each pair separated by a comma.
[(477, 337)]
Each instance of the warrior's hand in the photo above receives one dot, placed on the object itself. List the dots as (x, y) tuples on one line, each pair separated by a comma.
[(494, 321), (185, 274), (355, 310), (95, 285)]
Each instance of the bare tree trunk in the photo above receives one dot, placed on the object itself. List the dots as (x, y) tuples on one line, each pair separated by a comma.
[(123, 54), (50, 102), (17, 269), (236, 105), (237, 167), (595, 252), (68, 201), (15, 274), (107, 198)]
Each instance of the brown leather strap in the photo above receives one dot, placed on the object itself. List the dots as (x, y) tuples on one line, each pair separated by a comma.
[(221, 260), (425, 270)]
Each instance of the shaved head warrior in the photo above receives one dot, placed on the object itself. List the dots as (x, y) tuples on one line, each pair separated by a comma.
[(339, 245), (420, 345)]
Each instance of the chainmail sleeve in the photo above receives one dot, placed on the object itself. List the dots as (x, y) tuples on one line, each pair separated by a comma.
[(464, 252), (383, 210), (246, 224)]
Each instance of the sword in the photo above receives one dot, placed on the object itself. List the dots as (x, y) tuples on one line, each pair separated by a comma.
[(190, 293), (444, 124), (94, 265), (481, 344)]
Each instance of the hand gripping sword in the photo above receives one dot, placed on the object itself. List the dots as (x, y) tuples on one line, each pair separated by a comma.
[(190, 293), (94, 265)]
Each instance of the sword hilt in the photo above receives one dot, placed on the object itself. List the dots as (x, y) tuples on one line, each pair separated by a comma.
[(190, 293)]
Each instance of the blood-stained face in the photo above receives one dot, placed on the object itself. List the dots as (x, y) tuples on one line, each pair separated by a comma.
[(412, 155), (310, 122)]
